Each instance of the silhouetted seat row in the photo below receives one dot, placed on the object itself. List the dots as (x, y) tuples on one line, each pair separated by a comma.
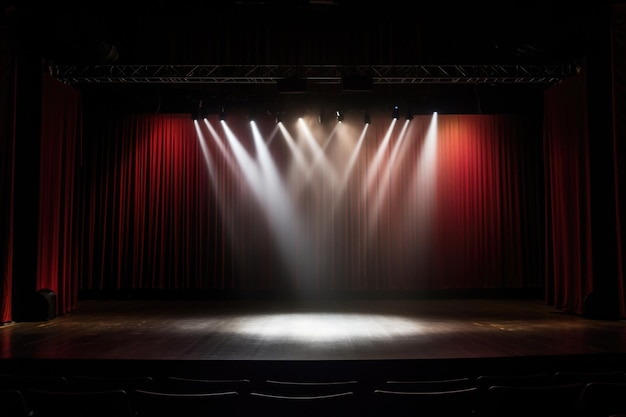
[(595, 399), (176, 384), (167, 404), (194, 384), (113, 403), (566, 394), (140, 403), (12, 403)]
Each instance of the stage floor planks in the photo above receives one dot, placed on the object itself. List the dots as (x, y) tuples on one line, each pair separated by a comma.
[(311, 330)]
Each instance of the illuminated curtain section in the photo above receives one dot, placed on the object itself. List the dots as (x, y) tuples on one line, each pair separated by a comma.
[(60, 159), (488, 220), (150, 216), (569, 275), (434, 203)]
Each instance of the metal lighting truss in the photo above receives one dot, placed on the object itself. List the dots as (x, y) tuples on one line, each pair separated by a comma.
[(266, 74)]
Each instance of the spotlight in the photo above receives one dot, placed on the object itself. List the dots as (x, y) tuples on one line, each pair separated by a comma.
[(252, 115), (222, 115), (409, 115), (367, 118), (197, 112), (396, 112), (340, 116)]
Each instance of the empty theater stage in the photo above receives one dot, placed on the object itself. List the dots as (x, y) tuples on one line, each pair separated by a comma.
[(330, 331)]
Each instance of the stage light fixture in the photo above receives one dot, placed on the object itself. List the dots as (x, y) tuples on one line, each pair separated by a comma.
[(197, 112), (395, 112), (409, 115), (222, 115), (367, 118), (340, 116), (252, 115)]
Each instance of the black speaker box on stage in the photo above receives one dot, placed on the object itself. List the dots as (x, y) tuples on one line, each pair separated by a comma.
[(44, 305)]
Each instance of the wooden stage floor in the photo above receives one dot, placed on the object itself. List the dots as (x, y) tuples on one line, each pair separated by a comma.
[(313, 331)]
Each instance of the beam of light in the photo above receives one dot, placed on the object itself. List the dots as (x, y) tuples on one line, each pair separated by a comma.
[(348, 170), (426, 169), (419, 207), (268, 189), (326, 327), (205, 152), (299, 165), (329, 138), (385, 180), (280, 211), (221, 202), (271, 176), (374, 165), (427, 163), (246, 163), (301, 162), (319, 158), (273, 134), (222, 147)]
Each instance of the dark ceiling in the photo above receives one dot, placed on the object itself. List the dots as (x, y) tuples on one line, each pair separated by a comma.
[(302, 34), (389, 32)]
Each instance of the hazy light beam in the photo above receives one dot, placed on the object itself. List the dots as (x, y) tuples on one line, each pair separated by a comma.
[(424, 180), (297, 153), (385, 180), (205, 153), (275, 198), (319, 158), (374, 165), (222, 147), (347, 172), (246, 163), (278, 207), (273, 134)]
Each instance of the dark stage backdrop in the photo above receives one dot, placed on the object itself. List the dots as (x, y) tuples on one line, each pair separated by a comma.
[(440, 202)]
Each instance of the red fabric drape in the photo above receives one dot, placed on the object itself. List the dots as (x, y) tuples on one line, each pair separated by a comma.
[(618, 37), (60, 160), (568, 219), (169, 206), (7, 161)]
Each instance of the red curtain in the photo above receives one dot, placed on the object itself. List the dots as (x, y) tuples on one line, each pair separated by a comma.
[(7, 147), (569, 276), (57, 257), (618, 46), (446, 202)]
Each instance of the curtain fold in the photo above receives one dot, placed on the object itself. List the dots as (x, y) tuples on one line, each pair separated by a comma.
[(7, 162), (618, 46), (443, 202), (57, 260), (569, 275)]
